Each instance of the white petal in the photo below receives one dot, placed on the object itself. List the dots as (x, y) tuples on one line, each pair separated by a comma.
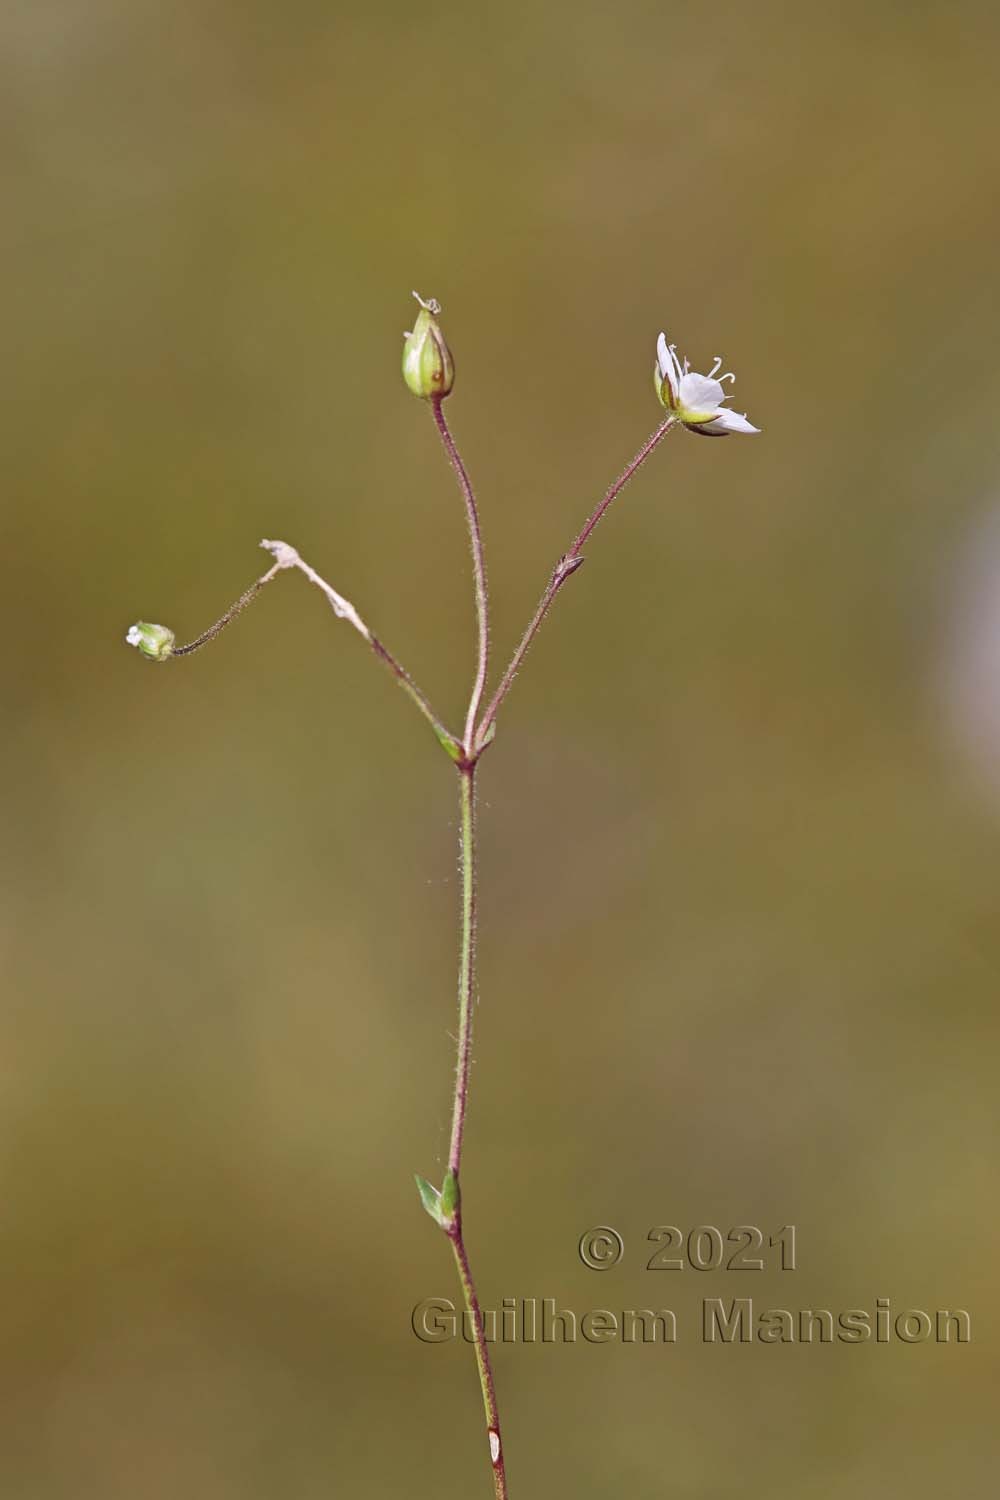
[(667, 363), (730, 421), (699, 393), (134, 635)]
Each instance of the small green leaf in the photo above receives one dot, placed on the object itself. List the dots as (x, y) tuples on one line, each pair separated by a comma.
[(430, 1198), (451, 745), (450, 1198)]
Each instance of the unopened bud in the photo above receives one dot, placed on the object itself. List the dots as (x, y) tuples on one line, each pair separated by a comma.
[(428, 368), (154, 641)]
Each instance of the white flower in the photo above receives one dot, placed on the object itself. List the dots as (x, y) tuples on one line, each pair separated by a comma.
[(695, 399)]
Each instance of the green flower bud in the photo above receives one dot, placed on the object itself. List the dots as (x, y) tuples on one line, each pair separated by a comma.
[(428, 368), (154, 641)]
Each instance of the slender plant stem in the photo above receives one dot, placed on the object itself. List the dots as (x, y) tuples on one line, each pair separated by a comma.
[(286, 557), (564, 569), (231, 613), (483, 1361), (467, 950), (478, 568), (615, 489), (466, 1000), (414, 693), (466, 962)]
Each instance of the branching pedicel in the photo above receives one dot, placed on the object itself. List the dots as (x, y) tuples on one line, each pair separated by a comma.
[(692, 401)]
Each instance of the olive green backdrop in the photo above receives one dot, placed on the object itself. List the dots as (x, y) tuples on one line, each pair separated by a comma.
[(740, 827)]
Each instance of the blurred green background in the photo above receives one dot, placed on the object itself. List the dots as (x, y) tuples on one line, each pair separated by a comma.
[(740, 829)]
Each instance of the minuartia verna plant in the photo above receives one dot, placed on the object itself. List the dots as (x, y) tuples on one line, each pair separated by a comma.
[(690, 401)]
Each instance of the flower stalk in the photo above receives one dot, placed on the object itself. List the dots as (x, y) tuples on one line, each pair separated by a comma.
[(563, 570), (478, 568), (160, 646)]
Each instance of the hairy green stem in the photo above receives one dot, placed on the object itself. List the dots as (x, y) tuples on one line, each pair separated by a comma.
[(466, 1001), (478, 567), (414, 693), (467, 960), (483, 1361)]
